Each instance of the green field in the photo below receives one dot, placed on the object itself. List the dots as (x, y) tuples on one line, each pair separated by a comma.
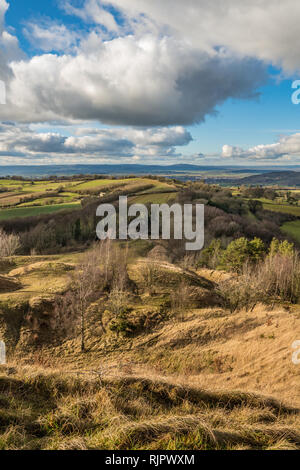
[(36, 186), (284, 208), (44, 201), (94, 184), (159, 198), (292, 229), (34, 211)]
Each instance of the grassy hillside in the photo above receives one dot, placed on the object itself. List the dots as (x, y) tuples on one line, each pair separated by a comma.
[(65, 412), (173, 376)]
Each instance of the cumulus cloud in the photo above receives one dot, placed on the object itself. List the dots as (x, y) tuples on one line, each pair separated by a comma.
[(50, 36), (9, 46), (265, 29), (285, 148), (138, 79), (23, 141), (141, 82)]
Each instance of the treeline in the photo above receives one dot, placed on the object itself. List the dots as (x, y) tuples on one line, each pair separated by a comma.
[(64, 230), (258, 193), (226, 218)]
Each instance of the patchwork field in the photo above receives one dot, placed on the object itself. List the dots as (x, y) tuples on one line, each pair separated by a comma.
[(27, 199)]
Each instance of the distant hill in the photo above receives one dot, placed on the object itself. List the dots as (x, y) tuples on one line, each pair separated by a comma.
[(280, 178)]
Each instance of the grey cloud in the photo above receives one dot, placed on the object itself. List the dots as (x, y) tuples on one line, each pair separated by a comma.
[(125, 81), (102, 143)]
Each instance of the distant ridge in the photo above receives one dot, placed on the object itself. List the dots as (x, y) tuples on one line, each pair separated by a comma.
[(123, 169), (280, 178)]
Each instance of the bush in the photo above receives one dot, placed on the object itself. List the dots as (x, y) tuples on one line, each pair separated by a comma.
[(241, 251), (277, 277), (242, 292), (282, 247), (210, 256)]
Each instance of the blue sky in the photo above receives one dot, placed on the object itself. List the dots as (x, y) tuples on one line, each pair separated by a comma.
[(99, 81)]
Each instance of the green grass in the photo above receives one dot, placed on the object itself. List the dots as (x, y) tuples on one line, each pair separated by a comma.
[(292, 229), (284, 208), (38, 186), (34, 211), (154, 198), (44, 201), (101, 183)]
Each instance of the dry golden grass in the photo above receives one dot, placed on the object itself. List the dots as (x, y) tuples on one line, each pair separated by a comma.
[(151, 390), (56, 410)]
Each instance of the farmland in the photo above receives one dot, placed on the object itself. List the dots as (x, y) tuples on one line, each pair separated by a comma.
[(23, 198), (33, 211)]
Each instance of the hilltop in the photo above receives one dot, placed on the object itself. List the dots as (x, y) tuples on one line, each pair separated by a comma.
[(162, 373)]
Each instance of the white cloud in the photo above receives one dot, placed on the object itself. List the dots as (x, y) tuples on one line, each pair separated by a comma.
[(9, 46), (264, 29), (93, 12), (50, 36), (285, 148)]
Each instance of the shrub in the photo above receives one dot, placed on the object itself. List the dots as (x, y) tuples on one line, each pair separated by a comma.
[(277, 277), (282, 247), (210, 256), (241, 251), (242, 292)]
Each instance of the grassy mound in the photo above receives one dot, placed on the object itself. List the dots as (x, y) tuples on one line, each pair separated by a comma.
[(60, 411), (8, 284), (42, 266)]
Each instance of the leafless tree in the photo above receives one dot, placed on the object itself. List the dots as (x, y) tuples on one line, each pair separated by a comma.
[(87, 285), (9, 243)]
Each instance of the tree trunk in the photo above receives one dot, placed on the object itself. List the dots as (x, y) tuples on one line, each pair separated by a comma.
[(82, 333)]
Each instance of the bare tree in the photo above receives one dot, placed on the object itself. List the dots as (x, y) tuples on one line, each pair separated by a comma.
[(87, 285), (9, 243), (102, 269)]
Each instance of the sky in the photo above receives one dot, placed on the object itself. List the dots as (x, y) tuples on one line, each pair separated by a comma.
[(139, 81)]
